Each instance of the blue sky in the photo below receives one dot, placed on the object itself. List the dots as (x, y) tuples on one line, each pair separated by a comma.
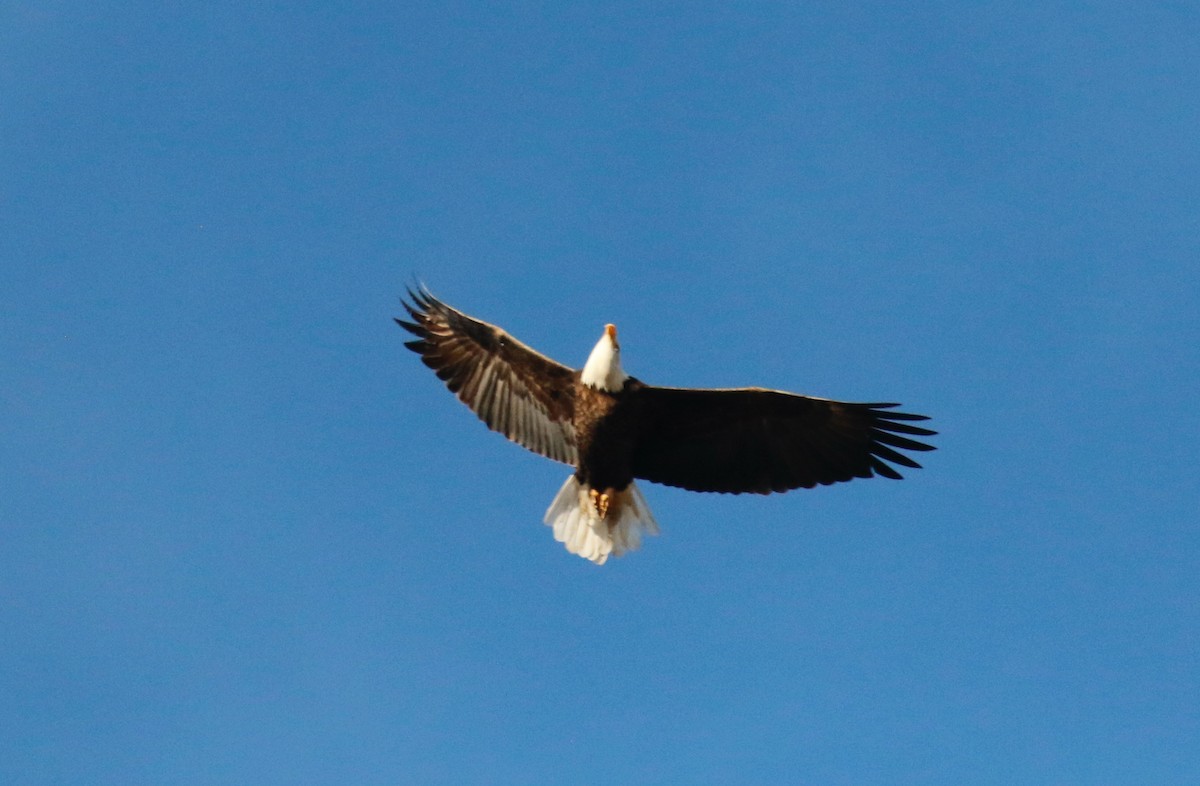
[(248, 538)]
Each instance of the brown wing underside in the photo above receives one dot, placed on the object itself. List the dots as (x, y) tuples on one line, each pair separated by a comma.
[(757, 440), (515, 390)]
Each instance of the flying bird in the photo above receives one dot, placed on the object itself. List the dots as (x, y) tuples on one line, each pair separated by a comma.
[(615, 429)]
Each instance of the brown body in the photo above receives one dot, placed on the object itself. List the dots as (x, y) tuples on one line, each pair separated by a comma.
[(605, 429)]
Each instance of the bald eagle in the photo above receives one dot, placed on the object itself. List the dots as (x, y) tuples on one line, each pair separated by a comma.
[(613, 428)]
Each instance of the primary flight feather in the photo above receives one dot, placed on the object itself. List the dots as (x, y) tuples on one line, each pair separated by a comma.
[(614, 428)]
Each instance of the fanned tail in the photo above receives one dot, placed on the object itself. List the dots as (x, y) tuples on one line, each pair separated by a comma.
[(579, 527)]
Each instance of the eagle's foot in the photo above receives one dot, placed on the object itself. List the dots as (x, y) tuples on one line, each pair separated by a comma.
[(600, 501)]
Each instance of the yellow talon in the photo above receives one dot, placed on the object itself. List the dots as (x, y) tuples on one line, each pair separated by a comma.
[(600, 502)]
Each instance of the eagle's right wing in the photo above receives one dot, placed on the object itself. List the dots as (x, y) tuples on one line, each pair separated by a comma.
[(515, 390)]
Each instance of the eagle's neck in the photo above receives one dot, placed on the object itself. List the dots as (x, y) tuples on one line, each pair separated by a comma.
[(603, 368)]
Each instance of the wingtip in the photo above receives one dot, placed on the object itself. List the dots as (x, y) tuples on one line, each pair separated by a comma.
[(418, 301), (425, 299), (884, 470), (415, 297), (415, 329)]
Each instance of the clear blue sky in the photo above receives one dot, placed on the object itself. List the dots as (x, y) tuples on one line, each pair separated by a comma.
[(246, 538)]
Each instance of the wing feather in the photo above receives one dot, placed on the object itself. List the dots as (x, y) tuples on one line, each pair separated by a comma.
[(756, 440), (514, 390)]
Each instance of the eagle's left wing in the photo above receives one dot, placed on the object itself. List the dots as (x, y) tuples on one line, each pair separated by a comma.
[(757, 440)]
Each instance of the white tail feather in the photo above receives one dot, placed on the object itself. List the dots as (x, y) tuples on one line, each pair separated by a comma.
[(579, 527)]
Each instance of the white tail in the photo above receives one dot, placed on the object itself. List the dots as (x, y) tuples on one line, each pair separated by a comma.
[(579, 527)]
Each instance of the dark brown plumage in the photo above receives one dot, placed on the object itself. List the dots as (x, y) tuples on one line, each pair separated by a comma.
[(752, 439), (521, 393)]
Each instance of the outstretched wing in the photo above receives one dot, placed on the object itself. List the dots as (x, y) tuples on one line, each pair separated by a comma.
[(757, 440), (524, 395)]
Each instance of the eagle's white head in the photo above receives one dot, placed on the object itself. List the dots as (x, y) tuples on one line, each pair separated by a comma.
[(603, 367)]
